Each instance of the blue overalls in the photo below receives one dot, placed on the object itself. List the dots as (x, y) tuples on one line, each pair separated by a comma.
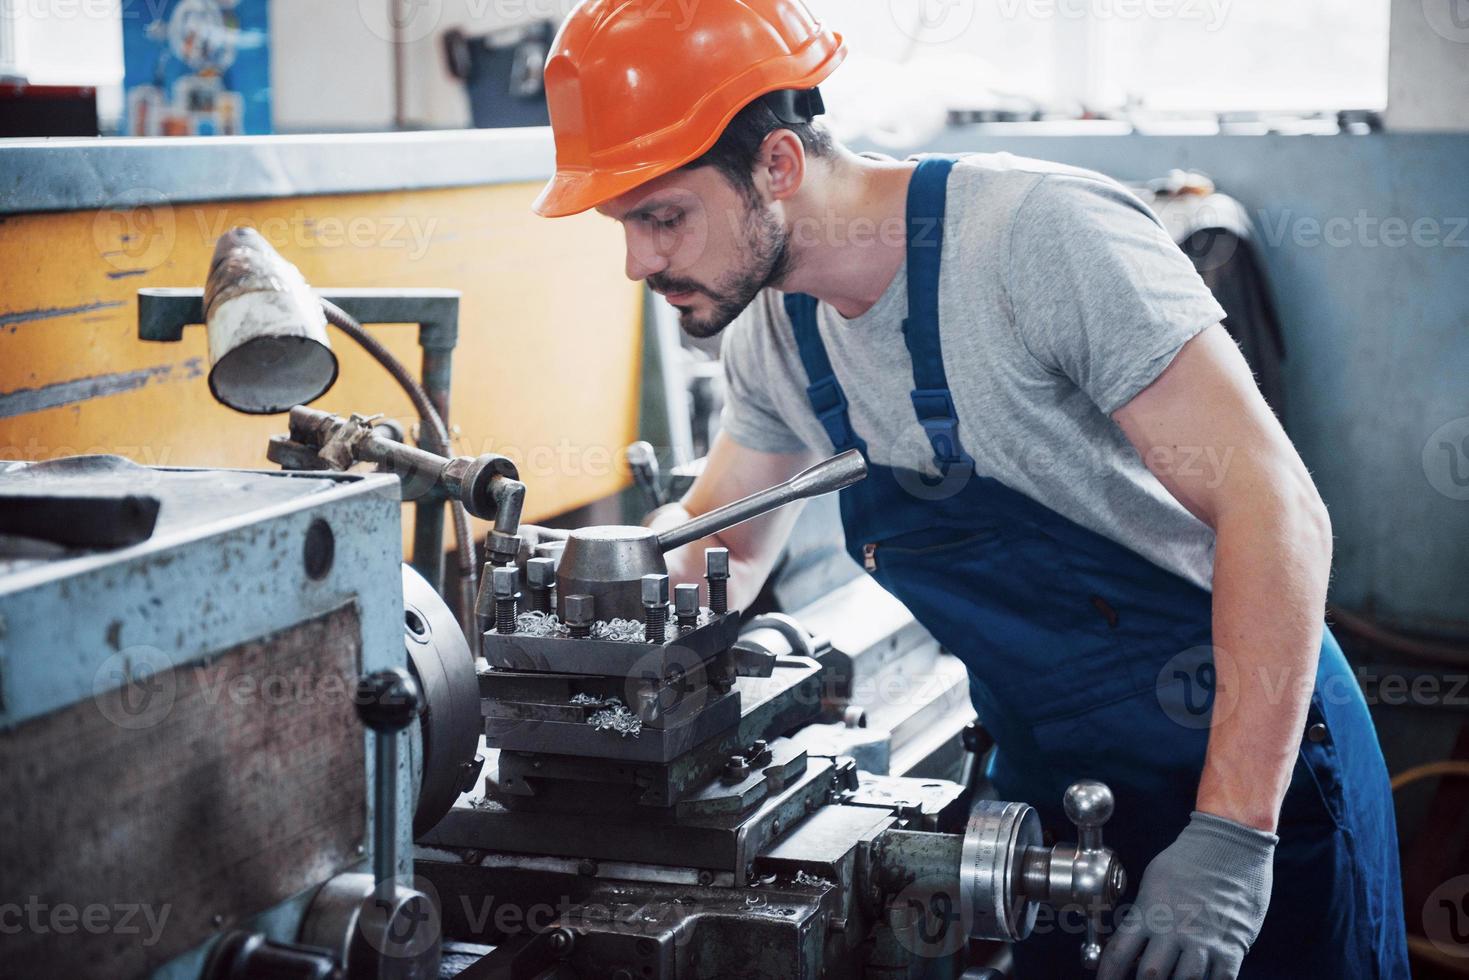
[(1087, 660)]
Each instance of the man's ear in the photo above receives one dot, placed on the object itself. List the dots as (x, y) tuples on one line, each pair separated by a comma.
[(780, 166)]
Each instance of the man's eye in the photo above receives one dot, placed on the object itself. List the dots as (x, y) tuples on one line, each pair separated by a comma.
[(671, 222)]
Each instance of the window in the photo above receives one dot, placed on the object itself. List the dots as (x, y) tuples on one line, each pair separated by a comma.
[(1070, 56)]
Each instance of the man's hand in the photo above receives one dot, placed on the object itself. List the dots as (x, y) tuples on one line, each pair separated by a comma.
[(1199, 907), (731, 472)]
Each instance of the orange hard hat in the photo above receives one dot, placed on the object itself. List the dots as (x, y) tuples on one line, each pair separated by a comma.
[(638, 88)]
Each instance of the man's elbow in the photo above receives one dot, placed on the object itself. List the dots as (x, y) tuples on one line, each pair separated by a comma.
[(1287, 508), (1313, 521), (1305, 523)]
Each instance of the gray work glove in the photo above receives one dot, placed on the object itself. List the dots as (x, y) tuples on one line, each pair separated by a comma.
[(1199, 906)]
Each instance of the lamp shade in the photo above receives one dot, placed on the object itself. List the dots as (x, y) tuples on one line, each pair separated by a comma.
[(268, 348)]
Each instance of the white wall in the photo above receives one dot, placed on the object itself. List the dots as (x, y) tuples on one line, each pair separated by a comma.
[(1428, 66), (329, 69), (332, 60)]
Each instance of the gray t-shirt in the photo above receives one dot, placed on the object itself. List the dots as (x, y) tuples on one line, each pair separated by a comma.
[(1061, 297)]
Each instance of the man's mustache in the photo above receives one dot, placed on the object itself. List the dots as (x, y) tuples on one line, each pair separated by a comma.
[(668, 286)]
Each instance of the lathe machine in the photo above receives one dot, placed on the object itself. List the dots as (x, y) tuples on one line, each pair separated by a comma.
[(622, 781)]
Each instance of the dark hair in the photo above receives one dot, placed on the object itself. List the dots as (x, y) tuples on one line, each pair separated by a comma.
[(735, 153)]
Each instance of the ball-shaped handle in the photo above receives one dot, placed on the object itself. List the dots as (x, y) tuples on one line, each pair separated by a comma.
[(1088, 804), (388, 700)]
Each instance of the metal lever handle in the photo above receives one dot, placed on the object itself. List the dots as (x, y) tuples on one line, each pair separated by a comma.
[(387, 702), (1097, 879), (825, 477)]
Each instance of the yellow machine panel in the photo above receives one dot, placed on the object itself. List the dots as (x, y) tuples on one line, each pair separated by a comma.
[(541, 301)]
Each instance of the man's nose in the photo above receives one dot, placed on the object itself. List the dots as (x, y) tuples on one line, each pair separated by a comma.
[(644, 258)]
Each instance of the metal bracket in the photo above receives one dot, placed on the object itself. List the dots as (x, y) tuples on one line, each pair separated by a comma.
[(164, 312)]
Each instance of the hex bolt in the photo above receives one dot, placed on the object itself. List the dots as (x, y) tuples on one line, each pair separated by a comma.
[(580, 615), (540, 575), (686, 605), (736, 769), (716, 571), (504, 548), (655, 607), (507, 577)]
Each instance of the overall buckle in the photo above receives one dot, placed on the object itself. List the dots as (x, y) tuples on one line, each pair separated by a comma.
[(936, 413), (830, 405)]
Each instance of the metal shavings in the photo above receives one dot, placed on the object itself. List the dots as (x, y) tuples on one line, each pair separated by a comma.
[(622, 630), (587, 699), (548, 624), (616, 718), (540, 624), (803, 878)]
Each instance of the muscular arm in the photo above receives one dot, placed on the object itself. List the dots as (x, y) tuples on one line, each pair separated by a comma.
[(731, 472), (1272, 561)]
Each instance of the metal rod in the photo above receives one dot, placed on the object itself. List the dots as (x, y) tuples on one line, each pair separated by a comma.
[(825, 477), (385, 815)]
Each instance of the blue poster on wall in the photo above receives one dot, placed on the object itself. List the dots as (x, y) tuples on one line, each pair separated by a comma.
[(196, 67)]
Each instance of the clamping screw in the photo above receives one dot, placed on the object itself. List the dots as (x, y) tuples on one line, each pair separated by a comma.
[(655, 607), (387, 701), (686, 605), (736, 769), (507, 597), (716, 571), (540, 576), (504, 548), (580, 615)]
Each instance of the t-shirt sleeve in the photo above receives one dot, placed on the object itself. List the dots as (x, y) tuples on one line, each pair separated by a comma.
[(1099, 291), (750, 361)]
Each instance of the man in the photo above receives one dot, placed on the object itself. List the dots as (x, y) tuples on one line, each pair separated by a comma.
[(1075, 485)]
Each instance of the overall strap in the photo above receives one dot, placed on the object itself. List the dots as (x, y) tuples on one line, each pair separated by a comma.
[(828, 400), (927, 199)]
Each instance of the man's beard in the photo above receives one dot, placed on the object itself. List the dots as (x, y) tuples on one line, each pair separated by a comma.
[(768, 261)]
